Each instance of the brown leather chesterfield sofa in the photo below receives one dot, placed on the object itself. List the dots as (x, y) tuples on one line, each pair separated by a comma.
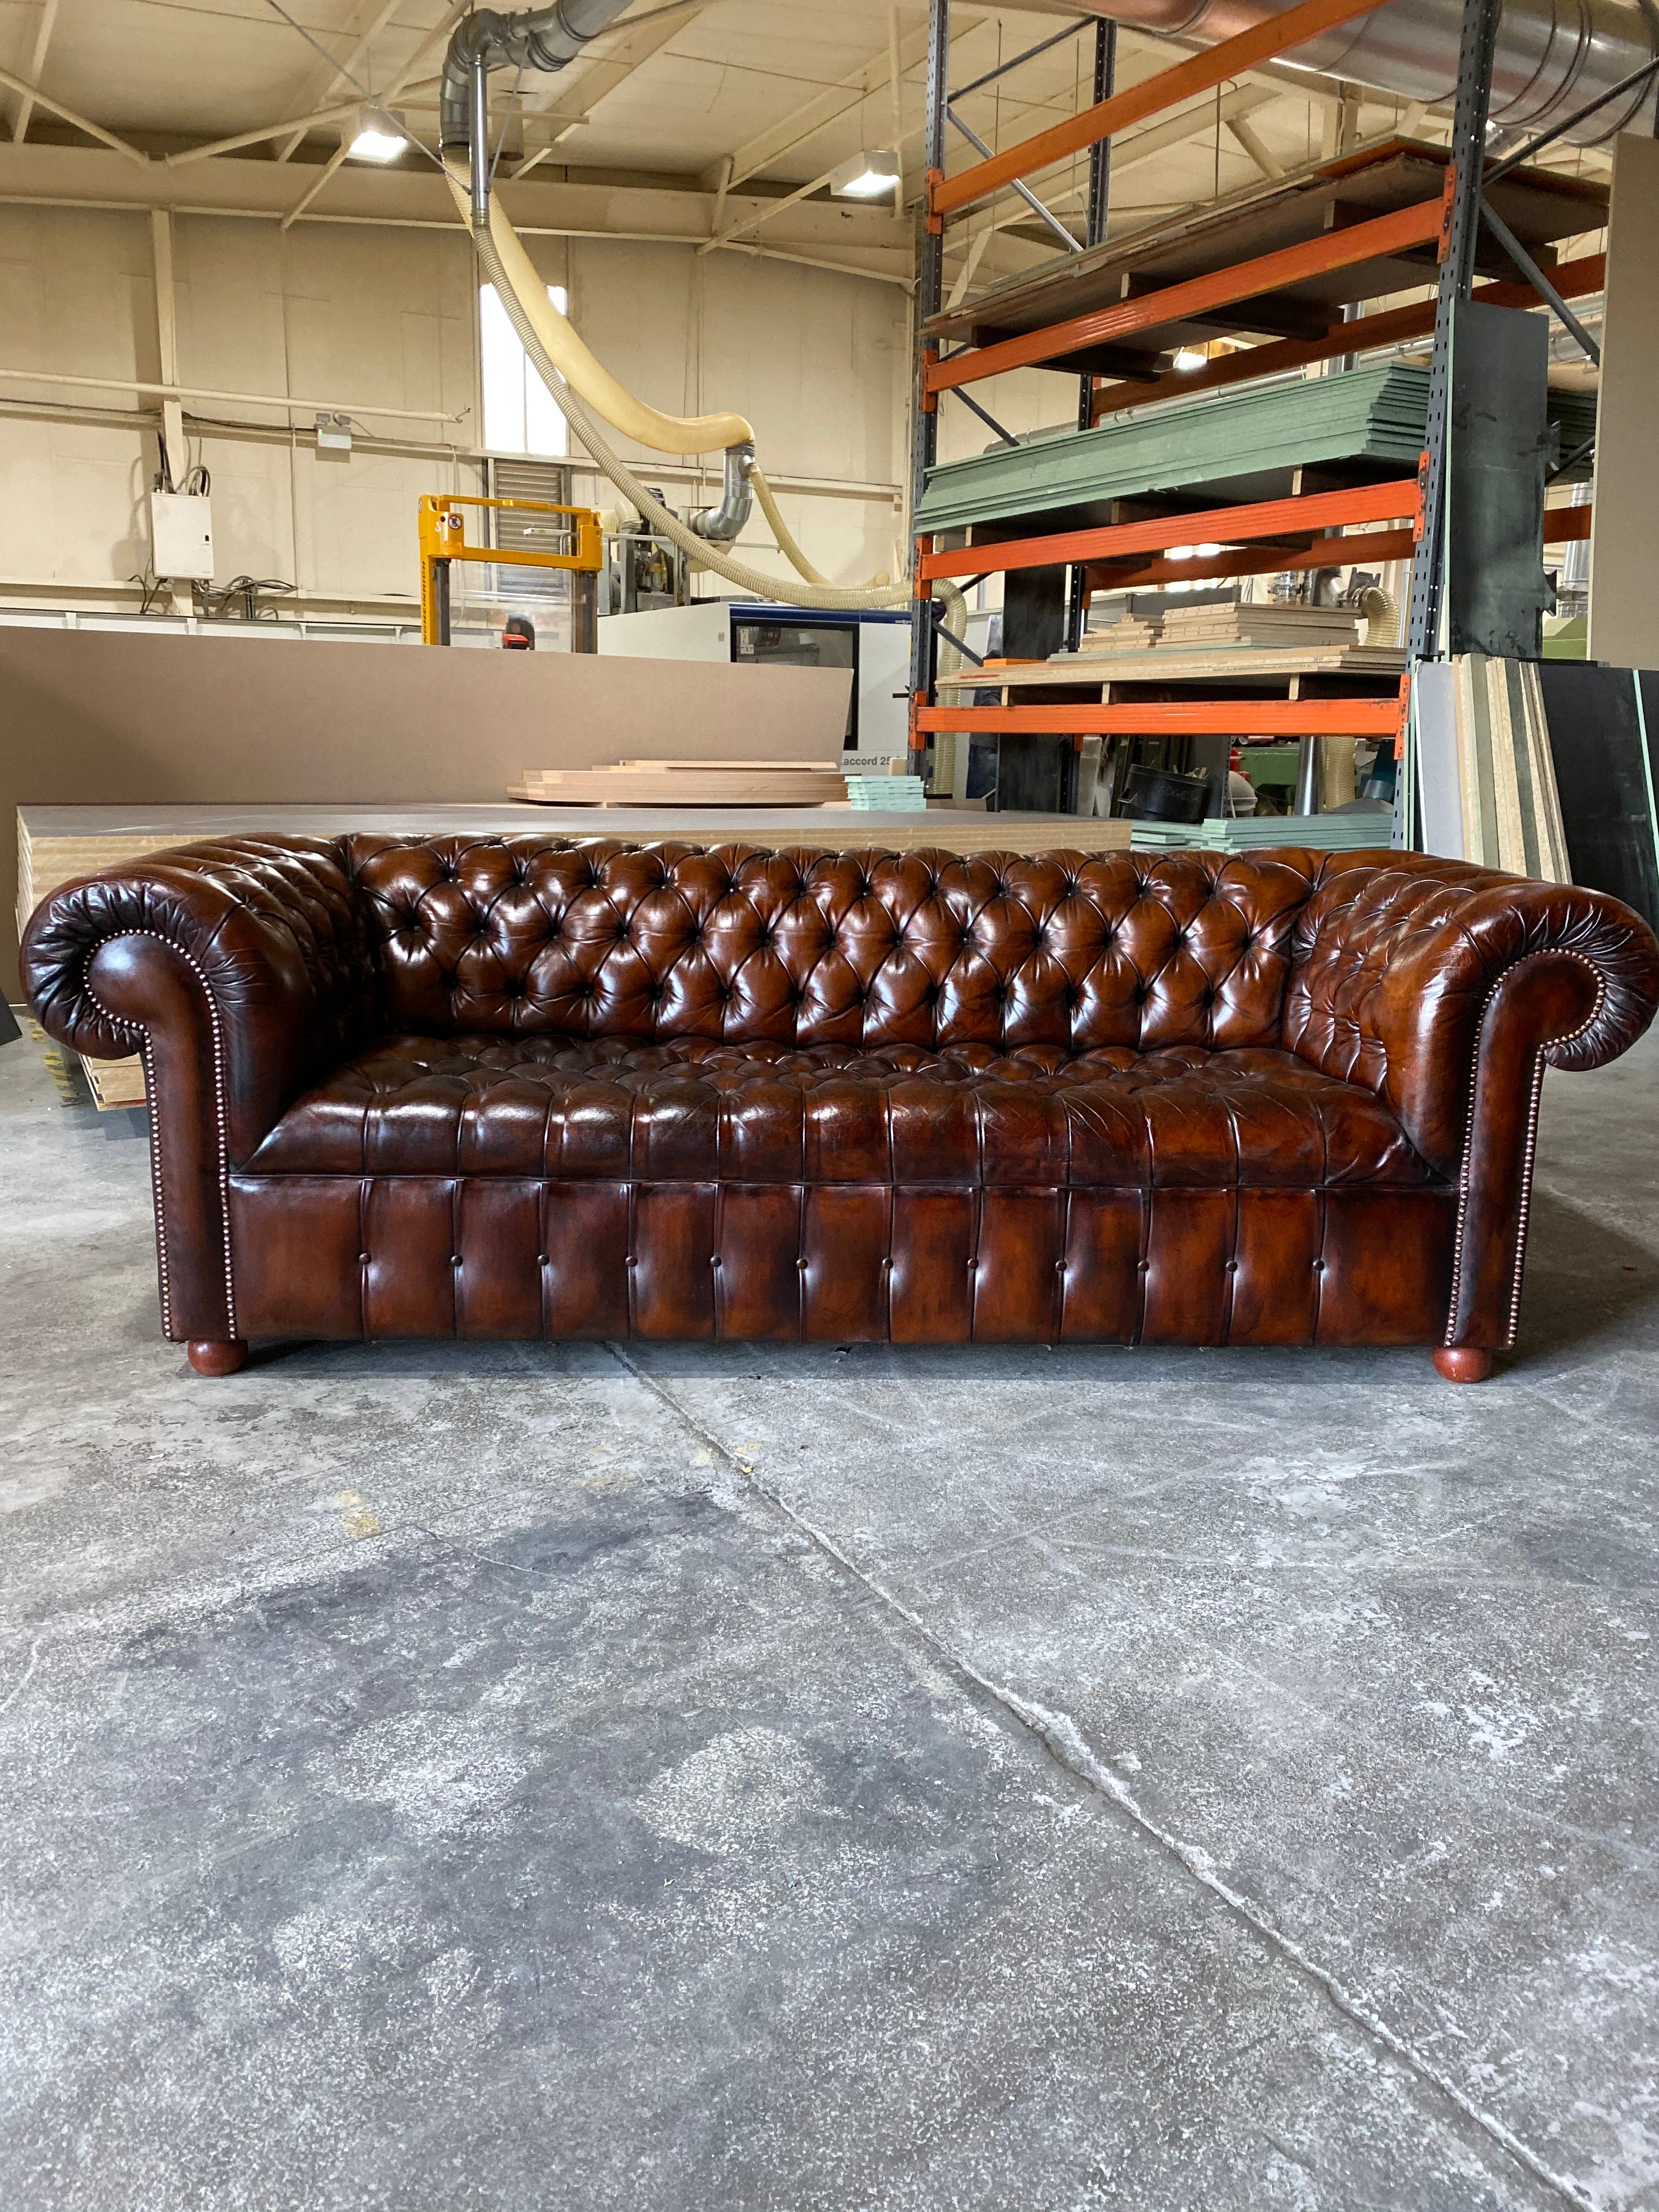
[(526, 1087)]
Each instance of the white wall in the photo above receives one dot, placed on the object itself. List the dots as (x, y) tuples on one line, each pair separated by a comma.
[(357, 314)]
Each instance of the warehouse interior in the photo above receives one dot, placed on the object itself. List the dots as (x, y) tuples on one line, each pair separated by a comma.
[(830, 858)]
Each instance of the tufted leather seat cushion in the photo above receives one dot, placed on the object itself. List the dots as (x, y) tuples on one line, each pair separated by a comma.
[(693, 1109)]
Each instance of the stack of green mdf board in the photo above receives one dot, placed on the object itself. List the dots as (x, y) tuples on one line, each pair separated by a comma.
[(1237, 446), (1319, 833)]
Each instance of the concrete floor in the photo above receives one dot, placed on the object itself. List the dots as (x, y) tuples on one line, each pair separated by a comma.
[(436, 1778)]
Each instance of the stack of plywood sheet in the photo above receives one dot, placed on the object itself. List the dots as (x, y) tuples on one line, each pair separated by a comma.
[(687, 783), (1269, 624), (45, 861), (1131, 634), (1486, 769)]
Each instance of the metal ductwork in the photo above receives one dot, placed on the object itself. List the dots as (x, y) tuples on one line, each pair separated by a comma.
[(542, 39), (1553, 57), (721, 524)]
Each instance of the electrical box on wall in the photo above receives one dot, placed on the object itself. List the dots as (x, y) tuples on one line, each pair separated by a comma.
[(181, 535)]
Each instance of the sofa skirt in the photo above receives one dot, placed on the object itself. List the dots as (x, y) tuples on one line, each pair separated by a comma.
[(494, 1257)]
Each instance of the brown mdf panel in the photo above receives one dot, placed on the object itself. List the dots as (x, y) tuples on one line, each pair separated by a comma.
[(1624, 610), (91, 718)]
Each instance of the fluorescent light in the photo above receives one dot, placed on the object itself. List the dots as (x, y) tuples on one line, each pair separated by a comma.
[(378, 139), (1188, 358), (867, 177), (376, 146)]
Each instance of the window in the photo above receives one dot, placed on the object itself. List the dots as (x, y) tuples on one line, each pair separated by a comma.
[(520, 414)]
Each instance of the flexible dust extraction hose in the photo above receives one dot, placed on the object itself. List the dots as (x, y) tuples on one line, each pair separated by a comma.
[(587, 390), (781, 530)]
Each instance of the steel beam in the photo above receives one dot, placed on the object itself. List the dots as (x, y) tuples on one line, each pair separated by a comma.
[(1383, 235), (1277, 34), (1270, 518)]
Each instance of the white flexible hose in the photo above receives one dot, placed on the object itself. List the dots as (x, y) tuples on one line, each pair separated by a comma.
[(550, 342), (786, 538), (575, 366)]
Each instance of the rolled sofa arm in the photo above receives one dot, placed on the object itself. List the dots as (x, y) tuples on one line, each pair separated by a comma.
[(1447, 989), (238, 970)]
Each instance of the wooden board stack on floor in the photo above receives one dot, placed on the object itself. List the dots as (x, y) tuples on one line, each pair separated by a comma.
[(685, 783), (44, 863), (1485, 766)]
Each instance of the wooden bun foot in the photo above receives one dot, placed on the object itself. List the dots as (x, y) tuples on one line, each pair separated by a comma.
[(208, 1357), (1463, 1365)]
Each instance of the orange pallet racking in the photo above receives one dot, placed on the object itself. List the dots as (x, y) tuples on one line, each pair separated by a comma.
[(1335, 239)]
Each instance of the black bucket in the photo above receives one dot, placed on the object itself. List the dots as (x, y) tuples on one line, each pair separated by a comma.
[(1164, 795)]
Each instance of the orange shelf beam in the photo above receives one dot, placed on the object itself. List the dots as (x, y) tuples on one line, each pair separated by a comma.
[(1222, 288), (1263, 559), (1561, 525), (1276, 35), (1270, 518), (1222, 717), (1572, 280)]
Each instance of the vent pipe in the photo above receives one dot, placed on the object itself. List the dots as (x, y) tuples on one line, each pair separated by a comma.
[(542, 39), (1552, 57)]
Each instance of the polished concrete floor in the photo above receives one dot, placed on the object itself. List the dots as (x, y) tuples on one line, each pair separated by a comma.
[(436, 1778)]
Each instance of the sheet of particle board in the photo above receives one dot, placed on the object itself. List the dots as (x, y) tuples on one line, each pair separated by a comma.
[(692, 787), (1434, 741), (1623, 592), (1511, 814), (126, 717)]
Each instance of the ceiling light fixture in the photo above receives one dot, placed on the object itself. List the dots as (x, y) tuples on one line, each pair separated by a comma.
[(379, 136), (867, 177), (1190, 358)]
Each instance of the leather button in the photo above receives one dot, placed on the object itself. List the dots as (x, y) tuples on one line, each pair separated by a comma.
[(362, 1259)]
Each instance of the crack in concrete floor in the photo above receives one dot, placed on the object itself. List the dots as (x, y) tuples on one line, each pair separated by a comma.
[(1060, 1738)]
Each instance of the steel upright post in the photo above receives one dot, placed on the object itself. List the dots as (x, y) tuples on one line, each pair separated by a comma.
[(930, 295), (1094, 233), (1458, 236)]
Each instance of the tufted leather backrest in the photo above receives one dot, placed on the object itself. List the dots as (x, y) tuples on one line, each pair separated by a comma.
[(537, 935)]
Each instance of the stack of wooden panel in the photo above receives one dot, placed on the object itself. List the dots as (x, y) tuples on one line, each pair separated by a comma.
[(1132, 634), (44, 863), (1267, 624), (687, 783), (1486, 767)]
